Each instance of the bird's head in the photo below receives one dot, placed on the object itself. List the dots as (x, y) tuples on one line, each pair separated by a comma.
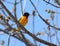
[(26, 14)]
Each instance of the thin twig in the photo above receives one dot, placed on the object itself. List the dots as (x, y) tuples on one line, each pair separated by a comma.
[(34, 30), (15, 9), (9, 39), (24, 6), (51, 4), (21, 6), (34, 12), (56, 35)]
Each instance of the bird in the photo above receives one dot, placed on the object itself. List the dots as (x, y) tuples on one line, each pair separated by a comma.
[(23, 20)]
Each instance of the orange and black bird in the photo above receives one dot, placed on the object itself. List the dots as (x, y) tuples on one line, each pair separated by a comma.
[(23, 20)]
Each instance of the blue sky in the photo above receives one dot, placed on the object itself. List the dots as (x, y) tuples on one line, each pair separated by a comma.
[(39, 25)]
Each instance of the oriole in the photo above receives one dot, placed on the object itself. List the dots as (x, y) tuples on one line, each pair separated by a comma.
[(23, 20)]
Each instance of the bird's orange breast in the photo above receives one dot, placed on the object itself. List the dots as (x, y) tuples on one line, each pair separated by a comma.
[(23, 20)]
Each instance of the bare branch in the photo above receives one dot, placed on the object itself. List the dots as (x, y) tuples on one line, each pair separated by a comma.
[(43, 18), (18, 36), (51, 4)]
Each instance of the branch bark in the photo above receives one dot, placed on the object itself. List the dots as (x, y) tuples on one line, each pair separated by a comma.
[(18, 36)]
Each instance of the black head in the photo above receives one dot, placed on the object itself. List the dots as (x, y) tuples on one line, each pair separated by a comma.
[(26, 14)]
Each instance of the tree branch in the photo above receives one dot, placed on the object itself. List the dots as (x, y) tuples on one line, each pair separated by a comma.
[(51, 4), (43, 18), (26, 41)]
